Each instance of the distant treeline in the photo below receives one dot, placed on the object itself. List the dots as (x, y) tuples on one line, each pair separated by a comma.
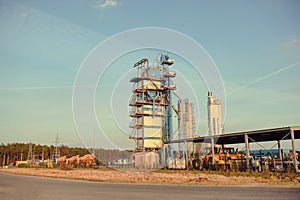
[(10, 153)]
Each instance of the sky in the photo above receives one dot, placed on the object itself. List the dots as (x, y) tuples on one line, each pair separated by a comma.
[(255, 46)]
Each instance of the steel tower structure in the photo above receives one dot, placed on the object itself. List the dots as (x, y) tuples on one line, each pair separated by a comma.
[(151, 103)]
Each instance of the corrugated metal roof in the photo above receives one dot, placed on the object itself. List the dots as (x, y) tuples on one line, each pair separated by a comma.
[(263, 135)]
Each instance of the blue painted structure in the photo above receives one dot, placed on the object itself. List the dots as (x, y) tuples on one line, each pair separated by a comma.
[(269, 152)]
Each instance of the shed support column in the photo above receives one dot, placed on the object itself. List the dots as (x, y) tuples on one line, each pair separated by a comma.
[(247, 151), (280, 154), (164, 159), (213, 150), (294, 150), (186, 155)]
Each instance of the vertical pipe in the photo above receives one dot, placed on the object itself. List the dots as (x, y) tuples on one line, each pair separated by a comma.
[(191, 120), (294, 150), (169, 118), (190, 127), (247, 150), (209, 111), (164, 156), (179, 124)]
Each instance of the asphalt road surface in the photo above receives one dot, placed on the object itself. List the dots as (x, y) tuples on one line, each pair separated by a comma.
[(31, 188)]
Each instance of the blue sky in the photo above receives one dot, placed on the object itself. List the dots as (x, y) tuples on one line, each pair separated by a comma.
[(255, 45)]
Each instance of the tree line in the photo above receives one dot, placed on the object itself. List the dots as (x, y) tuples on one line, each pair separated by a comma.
[(10, 153)]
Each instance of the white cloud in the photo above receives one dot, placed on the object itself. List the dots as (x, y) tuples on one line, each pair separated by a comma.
[(103, 4), (292, 43)]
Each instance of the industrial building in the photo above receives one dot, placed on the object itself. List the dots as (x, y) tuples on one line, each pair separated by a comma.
[(151, 104), (152, 111), (161, 142)]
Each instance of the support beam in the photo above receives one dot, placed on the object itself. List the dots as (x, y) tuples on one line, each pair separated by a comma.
[(280, 154), (294, 150), (164, 157), (186, 156), (247, 150), (213, 149)]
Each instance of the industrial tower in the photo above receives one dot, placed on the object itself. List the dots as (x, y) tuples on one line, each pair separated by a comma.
[(151, 103), (214, 115)]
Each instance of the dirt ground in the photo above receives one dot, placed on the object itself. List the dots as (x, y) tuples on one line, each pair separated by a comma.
[(182, 177)]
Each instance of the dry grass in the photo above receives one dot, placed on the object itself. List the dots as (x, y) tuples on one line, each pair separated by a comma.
[(166, 176)]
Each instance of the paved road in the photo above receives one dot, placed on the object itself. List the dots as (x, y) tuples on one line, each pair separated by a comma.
[(34, 188)]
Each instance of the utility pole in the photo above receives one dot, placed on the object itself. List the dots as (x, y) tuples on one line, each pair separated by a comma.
[(33, 154), (56, 147), (29, 157)]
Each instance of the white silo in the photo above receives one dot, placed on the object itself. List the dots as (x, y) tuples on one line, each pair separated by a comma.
[(214, 115)]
